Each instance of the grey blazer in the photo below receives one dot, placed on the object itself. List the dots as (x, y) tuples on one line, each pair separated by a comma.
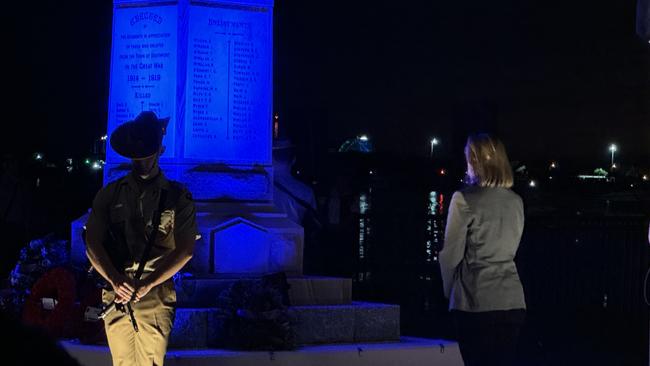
[(484, 227)]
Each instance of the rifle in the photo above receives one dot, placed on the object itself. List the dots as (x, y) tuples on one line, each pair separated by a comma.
[(145, 256)]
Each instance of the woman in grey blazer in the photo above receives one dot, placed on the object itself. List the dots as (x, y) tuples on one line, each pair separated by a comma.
[(484, 227)]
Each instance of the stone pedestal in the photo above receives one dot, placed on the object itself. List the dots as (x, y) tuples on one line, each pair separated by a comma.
[(355, 322), (203, 292), (237, 239), (258, 240), (207, 65)]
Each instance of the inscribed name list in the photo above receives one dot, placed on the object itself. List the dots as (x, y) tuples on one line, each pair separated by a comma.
[(143, 67), (228, 85)]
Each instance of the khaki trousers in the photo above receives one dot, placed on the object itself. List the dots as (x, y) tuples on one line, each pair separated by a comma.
[(154, 315)]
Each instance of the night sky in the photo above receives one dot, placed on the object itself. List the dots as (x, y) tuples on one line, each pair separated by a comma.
[(554, 80)]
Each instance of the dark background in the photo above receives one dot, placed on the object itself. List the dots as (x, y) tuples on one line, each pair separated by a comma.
[(556, 79)]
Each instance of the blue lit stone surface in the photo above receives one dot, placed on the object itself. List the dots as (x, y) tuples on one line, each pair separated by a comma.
[(252, 239), (241, 246), (203, 292), (408, 351), (356, 322), (207, 65), (143, 68), (228, 107)]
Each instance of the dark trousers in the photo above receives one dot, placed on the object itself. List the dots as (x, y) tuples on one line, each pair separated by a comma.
[(488, 338)]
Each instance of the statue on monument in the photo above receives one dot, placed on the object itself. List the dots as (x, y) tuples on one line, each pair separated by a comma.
[(292, 196)]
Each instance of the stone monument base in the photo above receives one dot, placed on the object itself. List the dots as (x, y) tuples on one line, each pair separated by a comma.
[(237, 239), (202, 292), (322, 310), (406, 351), (356, 322)]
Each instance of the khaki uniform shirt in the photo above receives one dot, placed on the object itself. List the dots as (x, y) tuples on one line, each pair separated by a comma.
[(122, 215)]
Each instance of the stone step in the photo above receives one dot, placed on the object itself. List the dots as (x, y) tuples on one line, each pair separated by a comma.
[(356, 322), (305, 290), (407, 351)]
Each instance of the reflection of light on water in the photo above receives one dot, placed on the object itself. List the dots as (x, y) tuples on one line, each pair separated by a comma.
[(433, 202), (363, 209), (434, 227), (364, 203), (364, 232)]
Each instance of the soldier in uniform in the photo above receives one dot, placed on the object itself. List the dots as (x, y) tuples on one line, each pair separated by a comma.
[(118, 230)]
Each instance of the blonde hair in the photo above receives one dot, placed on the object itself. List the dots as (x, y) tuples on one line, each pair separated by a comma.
[(489, 161)]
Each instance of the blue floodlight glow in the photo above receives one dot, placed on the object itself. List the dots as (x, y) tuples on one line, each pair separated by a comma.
[(208, 67), (222, 62)]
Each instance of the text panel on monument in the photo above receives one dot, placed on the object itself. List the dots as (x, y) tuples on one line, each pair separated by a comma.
[(143, 68), (228, 78)]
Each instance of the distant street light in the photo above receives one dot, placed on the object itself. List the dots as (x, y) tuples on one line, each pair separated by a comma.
[(613, 149), (363, 138), (434, 142)]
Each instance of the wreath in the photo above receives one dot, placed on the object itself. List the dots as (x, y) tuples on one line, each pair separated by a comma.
[(89, 328), (58, 284), (35, 259)]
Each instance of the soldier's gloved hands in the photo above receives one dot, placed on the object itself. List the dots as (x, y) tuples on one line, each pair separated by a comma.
[(123, 287), (143, 289)]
